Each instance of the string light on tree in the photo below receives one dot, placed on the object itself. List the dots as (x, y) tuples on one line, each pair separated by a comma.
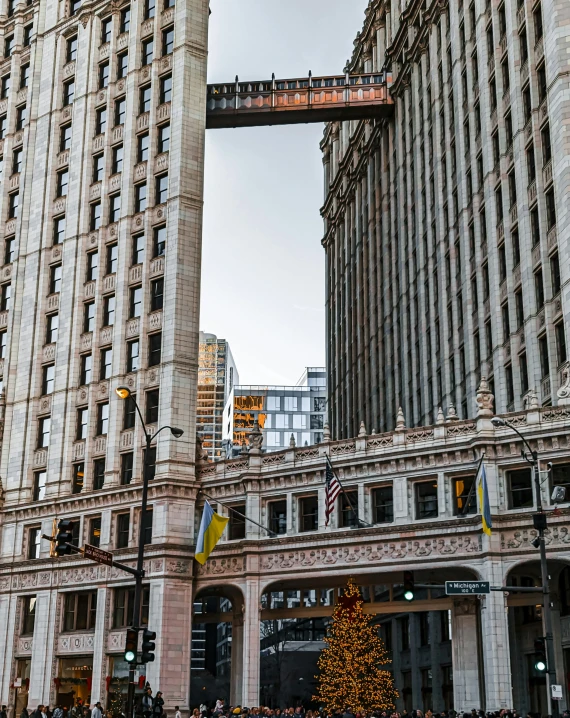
[(350, 666)]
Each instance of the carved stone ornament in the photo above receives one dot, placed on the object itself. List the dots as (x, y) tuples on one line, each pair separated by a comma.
[(485, 399), (400, 420), (440, 417), (326, 433), (530, 400), (255, 439), (202, 456), (362, 431), (292, 443), (451, 414), (563, 393)]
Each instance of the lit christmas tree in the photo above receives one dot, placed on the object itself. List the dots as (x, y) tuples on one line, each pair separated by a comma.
[(350, 666)]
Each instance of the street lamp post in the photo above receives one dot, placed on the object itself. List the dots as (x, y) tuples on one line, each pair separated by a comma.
[(125, 394), (539, 520)]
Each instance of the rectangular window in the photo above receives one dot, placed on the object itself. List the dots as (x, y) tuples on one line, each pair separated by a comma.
[(140, 197), (55, 279), (550, 210), (114, 208), (52, 326), (348, 509), (236, 527), (143, 144), (6, 81), (78, 478), (519, 308), (80, 612), (149, 9), (48, 379), (34, 543), (65, 138), (523, 373), (14, 206), (125, 21), (3, 344), (506, 322), (546, 145), (164, 138), (509, 384), (520, 489), (560, 342), (168, 41), (44, 426), (555, 274), (147, 53), (154, 349), (126, 468), (39, 485), (98, 474), (539, 289), (166, 89), (9, 44), (95, 532), (133, 356), (68, 92), (120, 111), (147, 527), (71, 49), (24, 75), (112, 258), (6, 300), (92, 267), (308, 513), (123, 526), (100, 120), (82, 423), (426, 500), (159, 241), (156, 294), (109, 311), (117, 159), (123, 606), (543, 352), (152, 401), (102, 419), (161, 193), (278, 517), (129, 414), (29, 615), (9, 250), (74, 6), (145, 95), (89, 317), (135, 304), (464, 496), (62, 183), (138, 249), (106, 30), (95, 219), (106, 365), (3, 126), (122, 65)]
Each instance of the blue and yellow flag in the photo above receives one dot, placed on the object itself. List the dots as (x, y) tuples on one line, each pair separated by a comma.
[(211, 529), (484, 504)]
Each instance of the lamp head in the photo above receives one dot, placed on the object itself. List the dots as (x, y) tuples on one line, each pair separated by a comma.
[(497, 421), (122, 392), (176, 433)]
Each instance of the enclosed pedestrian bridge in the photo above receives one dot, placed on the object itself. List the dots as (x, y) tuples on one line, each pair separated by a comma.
[(298, 101)]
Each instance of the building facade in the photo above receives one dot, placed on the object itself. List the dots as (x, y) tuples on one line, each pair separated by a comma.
[(102, 120), (446, 227), (217, 374), (281, 412)]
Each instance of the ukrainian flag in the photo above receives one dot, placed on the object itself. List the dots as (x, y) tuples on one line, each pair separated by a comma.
[(211, 529), (484, 505)]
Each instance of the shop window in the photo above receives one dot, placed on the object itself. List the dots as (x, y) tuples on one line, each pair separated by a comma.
[(80, 611)]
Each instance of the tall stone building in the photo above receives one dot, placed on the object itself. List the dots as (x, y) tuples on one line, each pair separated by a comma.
[(446, 227), (102, 121)]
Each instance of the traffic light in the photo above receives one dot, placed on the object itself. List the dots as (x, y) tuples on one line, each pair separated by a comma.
[(131, 645), (64, 536), (148, 646), (540, 663), (409, 585)]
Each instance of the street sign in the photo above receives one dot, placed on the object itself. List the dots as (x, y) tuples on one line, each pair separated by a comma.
[(97, 554), (471, 588), (556, 692)]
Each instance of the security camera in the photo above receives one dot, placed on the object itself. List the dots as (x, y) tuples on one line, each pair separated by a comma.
[(558, 494)]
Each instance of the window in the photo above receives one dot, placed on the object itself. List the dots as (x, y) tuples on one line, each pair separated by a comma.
[(149, 9), (278, 517), (348, 509), (100, 120), (102, 419), (80, 611), (135, 302), (92, 266), (523, 373), (138, 249), (539, 289), (123, 605), (129, 414), (152, 400), (125, 22), (120, 111), (159, 241), (6, 301), (308, 513), (126, 468), (142, 152), (28, 32), (560, 476), (166, 89), (44, 426), (519, 306), (14, 206), (34, 543), (106, 29), (161, 189), (109, 311), (560, 343), (156, 294), (86, 369), (39, 485), (145, 94), (98, 474), (464, 496), (543, 353), (550, 210), (112, 258), (9, 45), (426, 500), (168, 41), (502, 263), (29, 615), (147, 53), (9, 250), (132, 356), (236, 526), (122, 65), (52, 325), (117, 159), (3, 344), (164, 138), (5, 86), (68, 92), (150, 460), (21, 116), (154, 349), (546, 145), (541, 80), (3, 126), (123, 526), (24, 75), (114, 208), (506, 322), (65, 138), (59, 229), (95, 219), (516, 247), (62, 183), (106, 365), (71, 49), (74, 6), (48, 379), (55, 279), (520, 489), (89, 317), (103, 74), (147, 527), (82, 424), (140, 197), (169, 3), (11, 7)]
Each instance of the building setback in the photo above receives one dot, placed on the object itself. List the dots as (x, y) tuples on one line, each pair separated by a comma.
[(446, 228)]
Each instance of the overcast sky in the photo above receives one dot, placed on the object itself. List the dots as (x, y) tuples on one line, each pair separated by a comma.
[(263, 264)]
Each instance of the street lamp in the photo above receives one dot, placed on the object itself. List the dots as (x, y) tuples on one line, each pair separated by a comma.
[(539, 521), (125, 394)]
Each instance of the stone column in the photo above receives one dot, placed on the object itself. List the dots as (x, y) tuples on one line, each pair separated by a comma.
[(417, 698), (8, 604), (236, 686), (466, 675), (435, 650), (251, 644), (43, 648), (99, 653)]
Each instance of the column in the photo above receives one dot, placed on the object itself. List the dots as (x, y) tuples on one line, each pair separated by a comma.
[(236, 685), (466, 677), (417, 698), (435, 649), (43, 648), (8, 605), (251, 644), (99, 647)]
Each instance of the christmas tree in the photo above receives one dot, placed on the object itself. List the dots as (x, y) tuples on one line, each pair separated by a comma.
[(350, 666), (116, 700)]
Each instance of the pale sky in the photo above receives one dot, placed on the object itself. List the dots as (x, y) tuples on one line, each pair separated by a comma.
[(263, 264)]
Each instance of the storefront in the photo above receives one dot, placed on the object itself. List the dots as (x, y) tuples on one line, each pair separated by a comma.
[(74, 681), (22, 684), (118, 681)]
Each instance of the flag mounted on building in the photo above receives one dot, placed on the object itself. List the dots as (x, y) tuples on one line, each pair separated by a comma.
[(484, 503), (332, 491), (211, 529)]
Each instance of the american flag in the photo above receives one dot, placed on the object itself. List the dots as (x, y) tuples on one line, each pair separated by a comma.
[(333, 489)]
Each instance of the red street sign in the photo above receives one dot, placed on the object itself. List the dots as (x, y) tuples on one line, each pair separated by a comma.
[(97, 554)]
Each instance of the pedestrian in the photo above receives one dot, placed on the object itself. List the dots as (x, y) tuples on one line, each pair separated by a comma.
[(157, 704), (3, 713), (147, 702), (24, 713), (96, 712), (178, 714), (44, 712), (58, 712)]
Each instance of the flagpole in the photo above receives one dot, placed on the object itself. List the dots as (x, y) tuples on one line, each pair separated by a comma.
[(472, 490), (243, 516), (359, 521)]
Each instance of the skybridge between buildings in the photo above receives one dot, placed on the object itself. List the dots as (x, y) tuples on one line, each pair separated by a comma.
[(299, 101)]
